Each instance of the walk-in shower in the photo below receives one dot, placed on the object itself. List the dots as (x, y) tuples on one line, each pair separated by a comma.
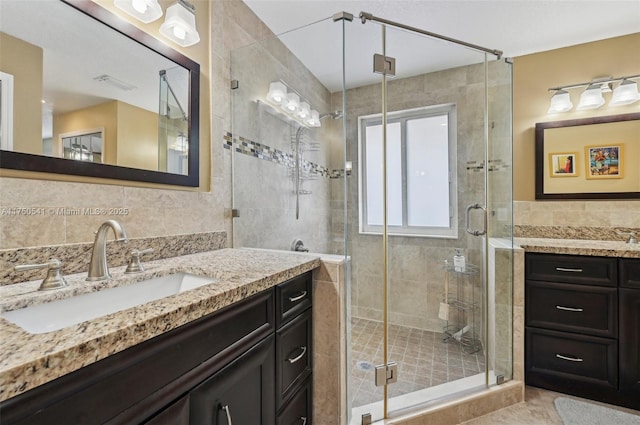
[(414, 170)]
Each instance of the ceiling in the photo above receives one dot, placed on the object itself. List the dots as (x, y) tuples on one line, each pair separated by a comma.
[(516, 27)]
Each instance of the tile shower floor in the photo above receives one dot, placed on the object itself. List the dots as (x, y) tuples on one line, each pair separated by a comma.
[(424, 360)]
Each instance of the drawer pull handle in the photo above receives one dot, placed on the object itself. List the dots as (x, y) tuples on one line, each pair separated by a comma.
[(304, 420), (298, 297), (228, 412), (298, 357), (571, 359), (562, 269), (559, 307)]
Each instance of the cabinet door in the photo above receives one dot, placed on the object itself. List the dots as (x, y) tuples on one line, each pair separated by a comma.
[(630, 342), (241, 393), (176, 414)]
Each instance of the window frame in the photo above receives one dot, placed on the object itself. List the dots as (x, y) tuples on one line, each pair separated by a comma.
[(402, 116)]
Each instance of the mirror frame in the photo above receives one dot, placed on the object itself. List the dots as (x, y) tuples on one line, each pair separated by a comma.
[(46, 164), (539, 157)]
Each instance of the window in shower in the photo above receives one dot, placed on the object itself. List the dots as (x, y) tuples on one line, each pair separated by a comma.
[(421, 172)]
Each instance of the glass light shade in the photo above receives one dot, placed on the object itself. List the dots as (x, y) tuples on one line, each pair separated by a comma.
[(292, 103), (625, 94), (314, 119), (560, 102), (277, 92), (180, 26), (143, 10), (591, 98), (303, 111)]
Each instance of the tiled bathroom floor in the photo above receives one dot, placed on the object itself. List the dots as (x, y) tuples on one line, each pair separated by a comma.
[(424, 360)]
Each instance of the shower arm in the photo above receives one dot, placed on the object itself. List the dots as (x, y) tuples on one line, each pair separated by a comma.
[(365, 16)]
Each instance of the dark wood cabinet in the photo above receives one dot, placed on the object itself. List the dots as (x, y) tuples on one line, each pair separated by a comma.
[(227, 358), (241, 393), (630, 342), (582, 326)]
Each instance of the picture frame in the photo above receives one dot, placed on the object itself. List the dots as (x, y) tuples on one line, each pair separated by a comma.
[(563, 164), (604, 161), (580, 136)]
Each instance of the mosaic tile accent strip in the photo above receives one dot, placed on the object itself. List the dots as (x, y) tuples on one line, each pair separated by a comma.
[(265, 152), (75, 257)]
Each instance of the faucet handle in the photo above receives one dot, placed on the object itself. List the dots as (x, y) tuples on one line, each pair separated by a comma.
[(633, 239), (134, 262), (54, 278)]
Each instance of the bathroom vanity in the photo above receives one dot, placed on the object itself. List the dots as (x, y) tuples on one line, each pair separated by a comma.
[(582, 324), (239, 349)]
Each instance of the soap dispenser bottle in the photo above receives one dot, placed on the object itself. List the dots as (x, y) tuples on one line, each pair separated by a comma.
[(459, 262)]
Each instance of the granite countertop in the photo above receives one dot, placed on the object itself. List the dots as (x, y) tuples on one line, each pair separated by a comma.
[(28, 360), (580, 247)]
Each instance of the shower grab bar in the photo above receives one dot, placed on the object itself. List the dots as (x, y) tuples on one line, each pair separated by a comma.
[(468, 220), (365, 16)]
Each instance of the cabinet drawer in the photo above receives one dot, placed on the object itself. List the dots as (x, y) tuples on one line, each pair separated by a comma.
[(292, 298), (293, 356), (600, 271), (571, 357), (574, 308), (630, 273), (298, 410)]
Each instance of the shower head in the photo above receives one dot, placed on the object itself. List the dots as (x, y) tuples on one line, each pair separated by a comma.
[(335, 115)]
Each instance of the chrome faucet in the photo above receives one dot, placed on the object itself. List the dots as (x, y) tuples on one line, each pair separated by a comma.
[(98, 268)]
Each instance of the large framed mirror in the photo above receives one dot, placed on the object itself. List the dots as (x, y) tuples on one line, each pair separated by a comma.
[(83, 92), (589, 158)]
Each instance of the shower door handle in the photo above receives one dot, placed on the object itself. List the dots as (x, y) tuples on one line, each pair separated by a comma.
[(484, 220)]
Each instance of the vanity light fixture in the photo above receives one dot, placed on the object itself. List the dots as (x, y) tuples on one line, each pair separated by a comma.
[(287, 101), (277, 92), (314, 119), (180, 24), (292, 103), (560, 102), (303, 111), (591, 98), (625, 93), (143, 10)]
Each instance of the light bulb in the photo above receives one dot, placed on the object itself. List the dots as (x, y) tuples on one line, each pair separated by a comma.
[(292, 103), (277, 92), (179, 32), (139, 5)]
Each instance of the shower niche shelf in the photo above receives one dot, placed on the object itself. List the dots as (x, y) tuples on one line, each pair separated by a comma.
[(463, 299)]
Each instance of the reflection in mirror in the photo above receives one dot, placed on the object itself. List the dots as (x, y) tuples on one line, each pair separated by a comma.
[(71, 74)]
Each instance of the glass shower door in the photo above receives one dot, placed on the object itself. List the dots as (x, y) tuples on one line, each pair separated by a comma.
[(420, 252)]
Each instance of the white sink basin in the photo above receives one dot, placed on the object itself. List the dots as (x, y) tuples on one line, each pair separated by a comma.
[(59, 314)]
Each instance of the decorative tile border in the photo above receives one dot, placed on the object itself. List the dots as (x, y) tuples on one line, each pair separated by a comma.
[(261, 151), (75, 257)]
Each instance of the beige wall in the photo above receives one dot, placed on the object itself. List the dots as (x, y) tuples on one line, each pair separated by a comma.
[(24, 62), (103, 116), (534, 74), (137, 137)]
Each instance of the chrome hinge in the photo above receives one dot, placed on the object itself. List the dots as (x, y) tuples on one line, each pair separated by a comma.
[(386, 374), (384, 65), (366, 419), (235, 84)]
